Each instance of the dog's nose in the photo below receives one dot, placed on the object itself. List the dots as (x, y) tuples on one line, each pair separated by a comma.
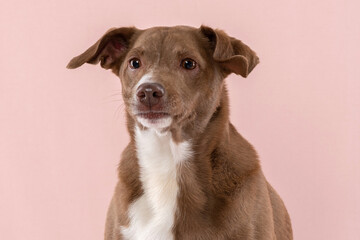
[(150, 94)]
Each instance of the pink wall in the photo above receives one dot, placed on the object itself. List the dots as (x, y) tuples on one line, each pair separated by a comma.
[(62, 131)]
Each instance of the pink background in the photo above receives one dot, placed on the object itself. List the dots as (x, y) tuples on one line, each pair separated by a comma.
[(62, 131)]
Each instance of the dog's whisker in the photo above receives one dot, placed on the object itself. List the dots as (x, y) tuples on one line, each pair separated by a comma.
[(114, 94), (119, 109), (114, 100)]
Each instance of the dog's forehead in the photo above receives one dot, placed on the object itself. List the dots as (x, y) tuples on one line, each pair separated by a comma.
[(170, 38)]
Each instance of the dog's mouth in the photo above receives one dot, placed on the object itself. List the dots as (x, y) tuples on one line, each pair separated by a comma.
[(154, 119), (150, 115)]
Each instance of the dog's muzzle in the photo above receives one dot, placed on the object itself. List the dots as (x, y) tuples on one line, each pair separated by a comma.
[(151, 109)]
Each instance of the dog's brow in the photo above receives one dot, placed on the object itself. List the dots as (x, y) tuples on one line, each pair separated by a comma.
[(186, 53), (137, 51)]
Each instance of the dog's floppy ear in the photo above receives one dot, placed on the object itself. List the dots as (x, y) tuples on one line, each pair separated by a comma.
[(232, 55), (108, 50)]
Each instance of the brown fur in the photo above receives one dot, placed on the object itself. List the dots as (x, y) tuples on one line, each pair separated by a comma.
[(223, 192)]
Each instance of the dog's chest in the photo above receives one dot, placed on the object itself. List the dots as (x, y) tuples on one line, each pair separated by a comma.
[(152, 214)]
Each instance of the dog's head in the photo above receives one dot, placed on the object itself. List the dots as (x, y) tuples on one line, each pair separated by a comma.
[(172, 77)]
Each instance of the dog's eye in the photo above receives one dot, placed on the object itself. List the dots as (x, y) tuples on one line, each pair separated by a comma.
[(188, 64), (134, 63)]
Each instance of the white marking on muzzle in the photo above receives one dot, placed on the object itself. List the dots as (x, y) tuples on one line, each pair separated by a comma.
[(146, 78), (156, 124)]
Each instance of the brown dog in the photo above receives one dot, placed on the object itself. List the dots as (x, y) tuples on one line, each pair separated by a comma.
[(186, 173)]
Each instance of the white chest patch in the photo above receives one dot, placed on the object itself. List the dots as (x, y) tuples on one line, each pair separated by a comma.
[(152, 215)]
